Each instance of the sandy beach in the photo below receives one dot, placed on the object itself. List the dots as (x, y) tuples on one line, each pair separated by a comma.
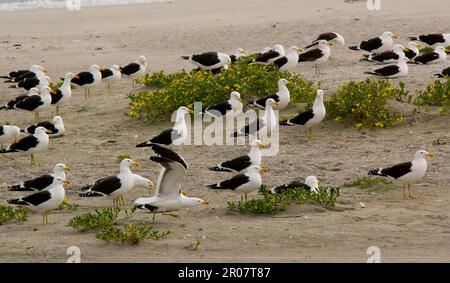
[(406, 230)]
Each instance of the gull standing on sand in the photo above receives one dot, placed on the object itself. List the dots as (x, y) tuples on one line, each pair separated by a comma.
[(242, 163), (289, 60), (44, 182), (267, 122), (44, 201), (330, 37), (168, 196), (439, 55), (392, 71), (270, 55), (64, 92), (177, 135), (111, 76), (56, 127), (232, 106), (311, 117), (10, 104), (112, 186), (378, 44), (311, 184), (38, 142), (242, 184), (88, 79), (317, 55), (283, 96), (407, 172), (36, 103), (135, 70)]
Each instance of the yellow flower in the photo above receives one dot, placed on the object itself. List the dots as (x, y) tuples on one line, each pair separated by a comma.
[(358, 126), (337, 119), (379, 125)]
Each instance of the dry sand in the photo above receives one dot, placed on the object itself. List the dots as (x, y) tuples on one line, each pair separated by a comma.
[(413, 230)]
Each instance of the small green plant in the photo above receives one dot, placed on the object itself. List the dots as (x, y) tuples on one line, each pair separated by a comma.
[(368, 182), (8, 213), (121, 157), (183, 89), (194, 246), (132, 234), (101, 218), (364, 104), (68, 206), (274, 203), (436, 93)]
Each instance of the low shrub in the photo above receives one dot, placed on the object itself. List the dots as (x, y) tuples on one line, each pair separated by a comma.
[(368, 182), (436, 93), (132, 234), (8, 213)]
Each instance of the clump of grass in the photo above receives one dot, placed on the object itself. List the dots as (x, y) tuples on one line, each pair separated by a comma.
[(8, 213), (274, 203), (183, 89), (368, 182), (121, 157), (436, 93), (132, 234), (363, 104), (194, 246), (101, 218), (68, 206)]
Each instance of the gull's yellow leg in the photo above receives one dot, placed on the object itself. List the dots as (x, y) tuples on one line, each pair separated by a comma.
[(242, 197), (85, 93), (36, 117), (170, 214), (404, 191), (109, 88), (154, 216), (57, 110), (43, 218), (122, 201), (310, 133), (33, 160), (245, 197), (409, 191)]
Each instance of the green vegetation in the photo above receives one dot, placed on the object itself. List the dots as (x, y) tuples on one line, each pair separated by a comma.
[(8, 213), (436, 93), (121, 157), (132, 234), (274, 203), (170, 91), (101, 218), (363, 104), (194, 246), (368, 182), (68, 206)]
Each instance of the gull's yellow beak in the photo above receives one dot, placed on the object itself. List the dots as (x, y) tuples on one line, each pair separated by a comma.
[(52, 91), (261, 146), (410, 61), (276, 104), (190, 111), (300, 50), (394, 36), (205, 202), (67, 182), (429, 154), (405, 49), (76, 77), (48, 131), (136, 164), (447, 49), (67, 169), (264, 170), (183, 193)]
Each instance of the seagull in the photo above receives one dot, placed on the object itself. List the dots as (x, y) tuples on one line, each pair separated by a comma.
[(378, 44), (209, 60), (37, 82), (392, 71), (317, 55), (8, 134), (38, 142), (141, 182), (269, 56), (111, 75), (36, 103), (17, 76), (136, 69), (439, 55), (44, 201), (56, 127), (311, 184), (242, 183), (242, 163), (64, 92), (265, 124), (407, 172), (330, 37), (10, 104), (44, 182), (283, 96), (310, 117), (88, 79), (433, 39), (412, 50), (176, 135), (444, 73), (238, 53), (232, 106), (392, 56), (112, 186), (289, 60), (168, 196)]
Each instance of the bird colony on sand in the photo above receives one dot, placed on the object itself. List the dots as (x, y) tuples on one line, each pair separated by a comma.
[(41, 93)]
